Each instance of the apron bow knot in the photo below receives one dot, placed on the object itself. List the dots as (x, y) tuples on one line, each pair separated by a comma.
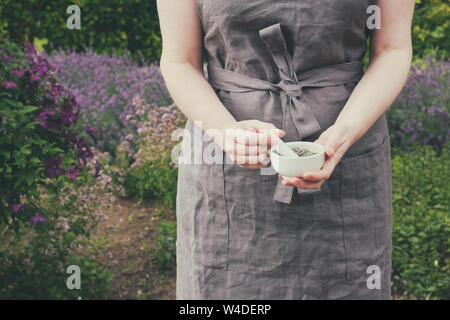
[(290, 86)]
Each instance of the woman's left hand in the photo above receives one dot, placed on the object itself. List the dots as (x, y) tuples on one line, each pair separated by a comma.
[(336, 141)]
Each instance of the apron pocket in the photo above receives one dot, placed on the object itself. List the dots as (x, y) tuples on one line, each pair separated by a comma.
[(366, 209)]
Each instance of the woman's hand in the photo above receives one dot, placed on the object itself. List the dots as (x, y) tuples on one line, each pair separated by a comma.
[(336, 141), (247, 142)]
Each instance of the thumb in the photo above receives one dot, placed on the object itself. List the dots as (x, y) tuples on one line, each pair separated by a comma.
[(331, 147), (328, 145)]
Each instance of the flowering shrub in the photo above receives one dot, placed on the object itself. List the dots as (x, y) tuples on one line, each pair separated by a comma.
[(38, 131), (33, 261), (152, 173), (421, 112), (104, 87), (110, 173), (421, 232)]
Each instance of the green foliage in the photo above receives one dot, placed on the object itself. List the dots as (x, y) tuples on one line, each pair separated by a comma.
[(29, 272), (153, 179), (105, 26), (431, 28), (421, 229), (164, 254), (33, 260)]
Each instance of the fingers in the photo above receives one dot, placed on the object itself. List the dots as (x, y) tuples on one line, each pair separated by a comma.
[(301, 183), (327, 169), (315, 178), (246, 137), (318, 175), (247, 143), (260, 159), (242, 149), (252, 166)]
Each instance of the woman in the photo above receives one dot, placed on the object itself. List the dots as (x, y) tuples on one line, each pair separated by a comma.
[(294, 66)]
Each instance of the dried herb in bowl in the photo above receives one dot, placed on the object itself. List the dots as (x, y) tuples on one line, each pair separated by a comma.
[(303, 152)]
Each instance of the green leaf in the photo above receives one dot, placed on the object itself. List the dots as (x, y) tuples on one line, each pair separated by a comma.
[(28, 109)]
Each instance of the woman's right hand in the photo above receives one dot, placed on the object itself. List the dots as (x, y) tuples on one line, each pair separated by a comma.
[(247, 142)]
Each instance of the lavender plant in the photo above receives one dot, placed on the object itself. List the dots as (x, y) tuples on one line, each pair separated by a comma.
[(420, 114), (104, 86)]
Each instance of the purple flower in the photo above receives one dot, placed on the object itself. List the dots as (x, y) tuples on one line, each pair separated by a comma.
[(91, 130), (10, 85), (400, 134), (42, 119), (60, 171), (20, 73), (53, 167), (35, 77), (37, 218), (16, 207), (73, 173), (29, 49), (50, 111)]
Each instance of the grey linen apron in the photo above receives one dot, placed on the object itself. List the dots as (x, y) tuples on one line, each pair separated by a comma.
[(243, 235)]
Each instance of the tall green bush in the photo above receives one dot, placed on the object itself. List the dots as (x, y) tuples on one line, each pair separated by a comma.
[(43, 217), (421, 225), (106, 26)]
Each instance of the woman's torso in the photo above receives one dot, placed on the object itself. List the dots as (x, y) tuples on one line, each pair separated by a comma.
[(317, 33), (234, 241)]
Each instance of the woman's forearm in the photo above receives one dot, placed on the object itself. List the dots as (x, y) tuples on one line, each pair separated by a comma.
[(375, 92), (195, 97)]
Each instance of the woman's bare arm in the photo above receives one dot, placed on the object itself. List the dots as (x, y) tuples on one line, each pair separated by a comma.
[(181, 65), (390, 59), (182, 70)]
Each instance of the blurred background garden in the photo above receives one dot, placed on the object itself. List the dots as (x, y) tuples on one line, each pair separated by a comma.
[(86, 176)]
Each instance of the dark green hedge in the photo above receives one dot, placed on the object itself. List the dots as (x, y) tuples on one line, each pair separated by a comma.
[(134, 25), (105, 25)]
